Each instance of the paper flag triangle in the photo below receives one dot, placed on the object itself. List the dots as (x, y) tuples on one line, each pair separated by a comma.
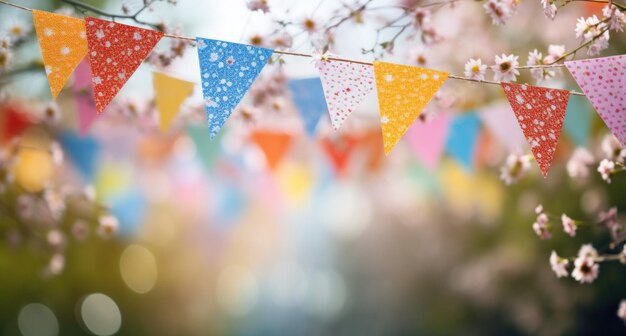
[(403, 92), (308, 95), (578, 120), (372, 143), (461, 144), (169, 93), (273, 144), (15, 120), (82, 151), (207, 151), (83, 97), (428, 139), (346, 85), (603, 80), (540, 113), (63, 45), (115, 52), (339, 151), (227, 71), (501, 123)]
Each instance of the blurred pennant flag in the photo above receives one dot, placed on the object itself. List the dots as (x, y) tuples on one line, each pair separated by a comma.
[(83, 151), (169, 93), (345, 86), (63, 44), (403, 92), (502, 124), (15, 120), (428, 138), (227, 72), (339, 150), (371, 142), (603, 80), (461, 144), (83, 97), (273, 144), (308, 95), (115, 52), (540, 113), (207, 150), (578, 120)]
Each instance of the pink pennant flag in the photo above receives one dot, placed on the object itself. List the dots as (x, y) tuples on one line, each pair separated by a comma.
[(540, 113), (428, 139), (345, 85), (603, 80), (503, 126), (83, 96)]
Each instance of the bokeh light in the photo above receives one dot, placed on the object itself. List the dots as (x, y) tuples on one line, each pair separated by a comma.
[(138, 268), (101, 314), (36, 319)]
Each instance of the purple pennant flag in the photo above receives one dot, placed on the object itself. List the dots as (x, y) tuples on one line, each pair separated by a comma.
[(83, 96)]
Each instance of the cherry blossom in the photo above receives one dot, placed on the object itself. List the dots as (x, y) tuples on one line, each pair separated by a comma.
[(559, 265)]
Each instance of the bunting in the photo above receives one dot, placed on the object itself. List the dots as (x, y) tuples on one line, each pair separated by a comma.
[(428, 139), (115, 52), (345, 85), (503, 125), (403, 92), (273, 144), (169, 94), (540, 113), (227, 72), (308, 95), (83, 97), (339, 150), (603, 80), (63, 44), (83, 151), (461, 144), (578, 120)]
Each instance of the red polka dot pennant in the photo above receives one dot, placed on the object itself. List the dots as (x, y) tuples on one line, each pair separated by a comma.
[(115, 52), (540, 113)]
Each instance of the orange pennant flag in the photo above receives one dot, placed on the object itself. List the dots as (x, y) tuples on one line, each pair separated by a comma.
[(63, 44), (403, 92), (339, 151), (115, 51), (273, 144), (169, 93)]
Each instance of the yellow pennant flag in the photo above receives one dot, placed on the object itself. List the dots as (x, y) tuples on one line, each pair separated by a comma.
[(170, 93), (63, 44), (403, 92)]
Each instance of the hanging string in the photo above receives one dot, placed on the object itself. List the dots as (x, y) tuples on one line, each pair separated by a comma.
[(341, 59)]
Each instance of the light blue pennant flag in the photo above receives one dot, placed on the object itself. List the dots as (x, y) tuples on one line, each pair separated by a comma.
[(227, 70), (83, 151), (578, 119), (308, 95), (462, 138)]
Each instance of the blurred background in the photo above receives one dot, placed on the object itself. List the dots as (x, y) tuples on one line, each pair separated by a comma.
[(131, 231)]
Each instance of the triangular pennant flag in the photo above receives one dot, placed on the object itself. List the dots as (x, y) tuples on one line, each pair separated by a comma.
[(339, 151), (503, 125), (603, 80), (578, 120), (273, 144), (461, 144), (227, 71), (82, 151), (540, 112), (403, 92), (207, 150), (371, 142), (15, 120), (428, 139), (346, 85), (115, 51), (83, 97), (63, 44), (308, 95), (169, 93)]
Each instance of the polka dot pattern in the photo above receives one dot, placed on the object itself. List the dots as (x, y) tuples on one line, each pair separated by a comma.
[(227, 71), (603, 80), (540, 113), (403, 92), (115, 52), (346, 85), (63, 44)]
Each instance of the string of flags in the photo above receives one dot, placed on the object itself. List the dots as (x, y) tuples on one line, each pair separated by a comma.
[(110, 52)]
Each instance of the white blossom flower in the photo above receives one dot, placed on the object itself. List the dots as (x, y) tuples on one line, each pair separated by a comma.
[(598, 46), (108, 225), (613, 149), (621, 311), (578, 164), (617, 19), (475, 69), (605, 169), (559, 265), (549, 9), (500, 11), (505, 69), (17, 30), (569, 226), (587, 251), (5, 42), (55, 238), (260, 5), (515, 168), (56, 264), (585, 270), (539, 209)]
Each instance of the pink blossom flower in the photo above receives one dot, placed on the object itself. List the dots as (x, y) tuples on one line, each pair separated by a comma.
[(515, 168), (569, 226), (617, 19), (505, 69), (260, 5), (559, 265), (587, 251), (613, 149), (605, 169), (475, 69), (542, 228), (585, 270), (539, 209), (549, 9), (421, 18), (621, 311), (108, 226), (500, 11)]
